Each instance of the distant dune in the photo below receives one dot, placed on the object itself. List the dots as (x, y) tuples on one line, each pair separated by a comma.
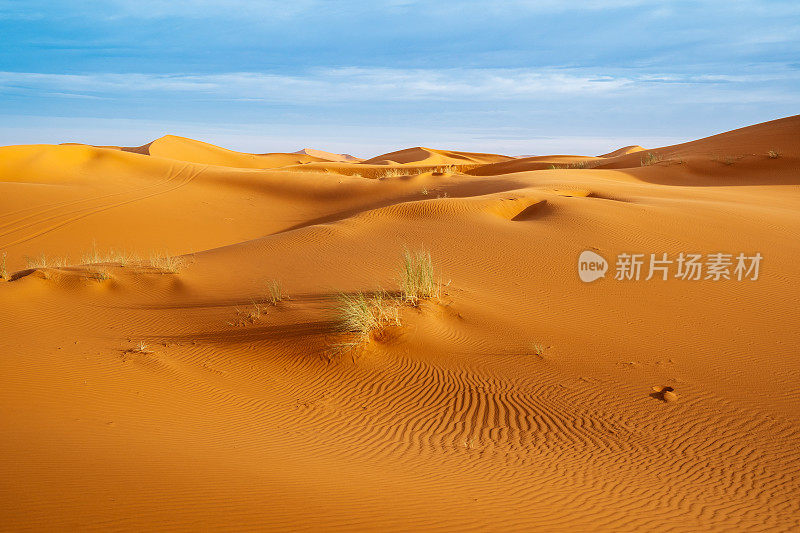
[(143, 392), (328, 155), (624, 151)]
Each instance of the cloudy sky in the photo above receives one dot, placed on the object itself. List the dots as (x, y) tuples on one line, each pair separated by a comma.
[(518, 77)]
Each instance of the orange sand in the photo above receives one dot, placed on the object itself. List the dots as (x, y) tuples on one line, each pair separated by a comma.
[(449, 422)]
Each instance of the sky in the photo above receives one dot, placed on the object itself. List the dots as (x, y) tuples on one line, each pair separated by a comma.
[(368, 77)]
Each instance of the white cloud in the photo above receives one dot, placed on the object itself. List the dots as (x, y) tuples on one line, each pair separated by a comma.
[(355, 84)]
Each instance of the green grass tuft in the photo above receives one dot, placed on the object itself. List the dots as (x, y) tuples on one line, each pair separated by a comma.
[(360, 314), (417, 281)]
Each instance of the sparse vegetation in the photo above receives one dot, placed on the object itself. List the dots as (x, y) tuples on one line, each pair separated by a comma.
[(249, 315), (42, 261), (166, 263), (586, 163), (275, 292), (361, 314), (95, 257), (417, 279), (3, 271), (101, 274), (538, 349), (651, 158), (392, 173), (725, 160), (140, 348), (774, 154), (424, 191)]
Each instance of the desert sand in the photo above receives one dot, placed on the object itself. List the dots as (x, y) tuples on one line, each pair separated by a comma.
[(142, 397)]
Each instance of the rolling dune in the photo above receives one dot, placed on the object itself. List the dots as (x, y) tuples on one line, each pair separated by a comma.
[(521, 399)]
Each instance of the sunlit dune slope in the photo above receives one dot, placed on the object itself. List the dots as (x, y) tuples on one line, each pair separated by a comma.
[(428, 156), (624, 151)]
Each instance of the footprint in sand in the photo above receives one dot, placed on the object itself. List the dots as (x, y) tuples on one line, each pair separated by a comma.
[(664, 393)]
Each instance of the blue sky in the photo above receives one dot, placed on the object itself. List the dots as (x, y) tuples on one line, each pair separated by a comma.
[(518, 77)]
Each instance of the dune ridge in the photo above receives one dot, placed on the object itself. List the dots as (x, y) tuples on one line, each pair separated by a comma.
[(522, 399)]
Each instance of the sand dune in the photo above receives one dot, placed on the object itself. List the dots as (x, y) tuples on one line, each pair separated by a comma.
[(328, 156), (429, 156), (522, 399), (625, 150), (189, 150)]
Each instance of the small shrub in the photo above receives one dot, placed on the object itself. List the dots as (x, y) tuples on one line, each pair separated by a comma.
[(424, 191), (651, 159), (773, 154), (417, 280), (166, 263)]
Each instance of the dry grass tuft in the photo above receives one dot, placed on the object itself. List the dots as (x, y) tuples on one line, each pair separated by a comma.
[(576, 165), (121, 257), (392, 173), (140, 348), (168, 264), (249, 315), (417, 280), (42, 261), (725, 160), (651, 158), (774, 154), (275, 292), (3, 271)]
